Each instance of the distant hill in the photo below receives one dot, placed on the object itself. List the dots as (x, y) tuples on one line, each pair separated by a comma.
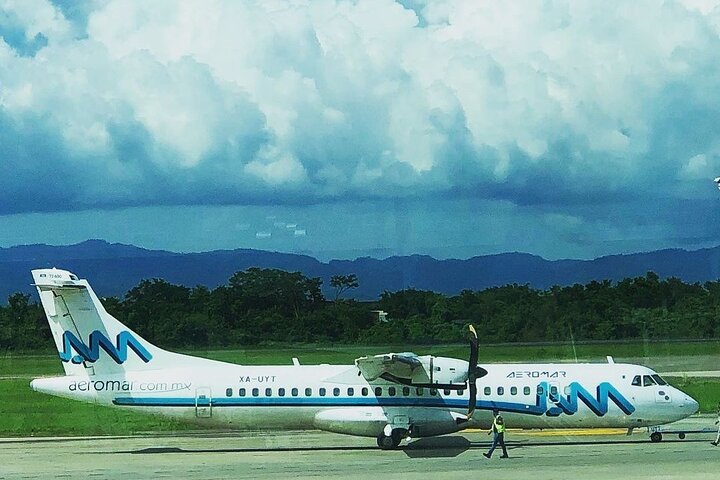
[(114, 268)]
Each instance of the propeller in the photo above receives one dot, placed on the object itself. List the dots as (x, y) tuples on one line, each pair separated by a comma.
[(474, 372)]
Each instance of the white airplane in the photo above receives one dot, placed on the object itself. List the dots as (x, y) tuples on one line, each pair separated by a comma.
[(389, 397)]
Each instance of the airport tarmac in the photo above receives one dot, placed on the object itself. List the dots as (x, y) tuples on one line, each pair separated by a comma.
[(552, 454)]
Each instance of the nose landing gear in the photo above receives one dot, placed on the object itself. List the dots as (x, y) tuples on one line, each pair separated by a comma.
[(657, 436)]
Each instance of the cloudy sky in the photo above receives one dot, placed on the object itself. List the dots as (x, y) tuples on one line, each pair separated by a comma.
[(567, 129)]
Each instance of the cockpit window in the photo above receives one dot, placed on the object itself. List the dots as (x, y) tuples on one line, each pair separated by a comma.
[(659, 379), (648, 380), (636, 381)]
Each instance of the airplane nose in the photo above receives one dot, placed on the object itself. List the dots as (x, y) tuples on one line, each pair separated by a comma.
[(692, 405)]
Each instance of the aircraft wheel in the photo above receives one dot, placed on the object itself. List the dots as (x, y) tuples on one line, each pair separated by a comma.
[(656, 437), (389, 442)]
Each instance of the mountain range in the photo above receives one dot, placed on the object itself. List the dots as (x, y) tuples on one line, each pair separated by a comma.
[(114, 268)]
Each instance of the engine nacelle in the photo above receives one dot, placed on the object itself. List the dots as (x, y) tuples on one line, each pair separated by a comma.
[(411, 369), (440, 372)]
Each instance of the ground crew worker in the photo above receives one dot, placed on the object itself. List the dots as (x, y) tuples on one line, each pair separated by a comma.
[(717, 422), (498, 431)]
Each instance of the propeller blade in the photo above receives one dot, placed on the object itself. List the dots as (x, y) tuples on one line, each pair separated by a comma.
[(473, 397), (473, 352), (472, 371)]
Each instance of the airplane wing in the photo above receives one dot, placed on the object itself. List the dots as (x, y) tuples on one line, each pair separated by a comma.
[(400, 367)]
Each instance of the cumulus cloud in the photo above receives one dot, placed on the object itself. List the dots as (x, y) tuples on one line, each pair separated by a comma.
[(113, 103)]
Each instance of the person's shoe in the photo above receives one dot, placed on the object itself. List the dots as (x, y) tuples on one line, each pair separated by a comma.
[(486, 455), (504, 456), (713, 443)]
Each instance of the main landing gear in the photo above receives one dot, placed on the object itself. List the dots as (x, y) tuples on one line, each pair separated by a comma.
[(389, 442), (390, 438)]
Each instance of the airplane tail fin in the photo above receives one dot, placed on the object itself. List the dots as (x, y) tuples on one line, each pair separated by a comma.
[(89, 340)]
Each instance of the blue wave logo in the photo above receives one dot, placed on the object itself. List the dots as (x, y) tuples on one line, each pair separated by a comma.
[(118, 351), (568, 404), (598, 403)]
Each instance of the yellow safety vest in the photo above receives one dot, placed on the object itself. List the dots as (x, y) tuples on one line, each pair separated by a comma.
[(499, 427)]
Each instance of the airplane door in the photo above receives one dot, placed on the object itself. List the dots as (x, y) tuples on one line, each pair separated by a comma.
[(203, 402)]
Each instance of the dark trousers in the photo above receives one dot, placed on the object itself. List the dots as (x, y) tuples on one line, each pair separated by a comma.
[(498, 439)]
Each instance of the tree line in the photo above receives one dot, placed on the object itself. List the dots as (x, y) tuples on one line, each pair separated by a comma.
[(269, 306)]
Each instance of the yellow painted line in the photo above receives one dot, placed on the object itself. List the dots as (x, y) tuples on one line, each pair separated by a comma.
[(579, 432), (560, 432)]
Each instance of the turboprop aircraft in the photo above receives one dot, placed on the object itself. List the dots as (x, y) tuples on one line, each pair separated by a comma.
[(390, 396)]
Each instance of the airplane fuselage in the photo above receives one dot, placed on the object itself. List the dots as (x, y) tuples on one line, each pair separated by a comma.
[(336, 398), (387, 396)]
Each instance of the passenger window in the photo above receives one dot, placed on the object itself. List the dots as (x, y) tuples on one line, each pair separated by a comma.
[(308, 392), (294, 392), (268, 392), (336, 392), (526, 390), (241, 392), (228, 392), (322, 392), (351, 391), (487, 391), (419, 391), (460, 393), (513, 390), (391, 391), (500, 390), (647, 381), (567, 390), (378, 391), (446, 391), (281, 392), (255, 392), (433, 392), (540, 390), (636, 381), (364, 391), (659, 379), (406, 391)]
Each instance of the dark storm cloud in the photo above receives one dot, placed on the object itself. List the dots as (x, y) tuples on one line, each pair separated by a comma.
[(111, 104)]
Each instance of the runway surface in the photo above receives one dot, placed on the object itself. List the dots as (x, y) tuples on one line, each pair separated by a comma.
[(605, 454)]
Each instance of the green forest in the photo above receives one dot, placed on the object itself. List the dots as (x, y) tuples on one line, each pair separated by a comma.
[(274, 307)]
